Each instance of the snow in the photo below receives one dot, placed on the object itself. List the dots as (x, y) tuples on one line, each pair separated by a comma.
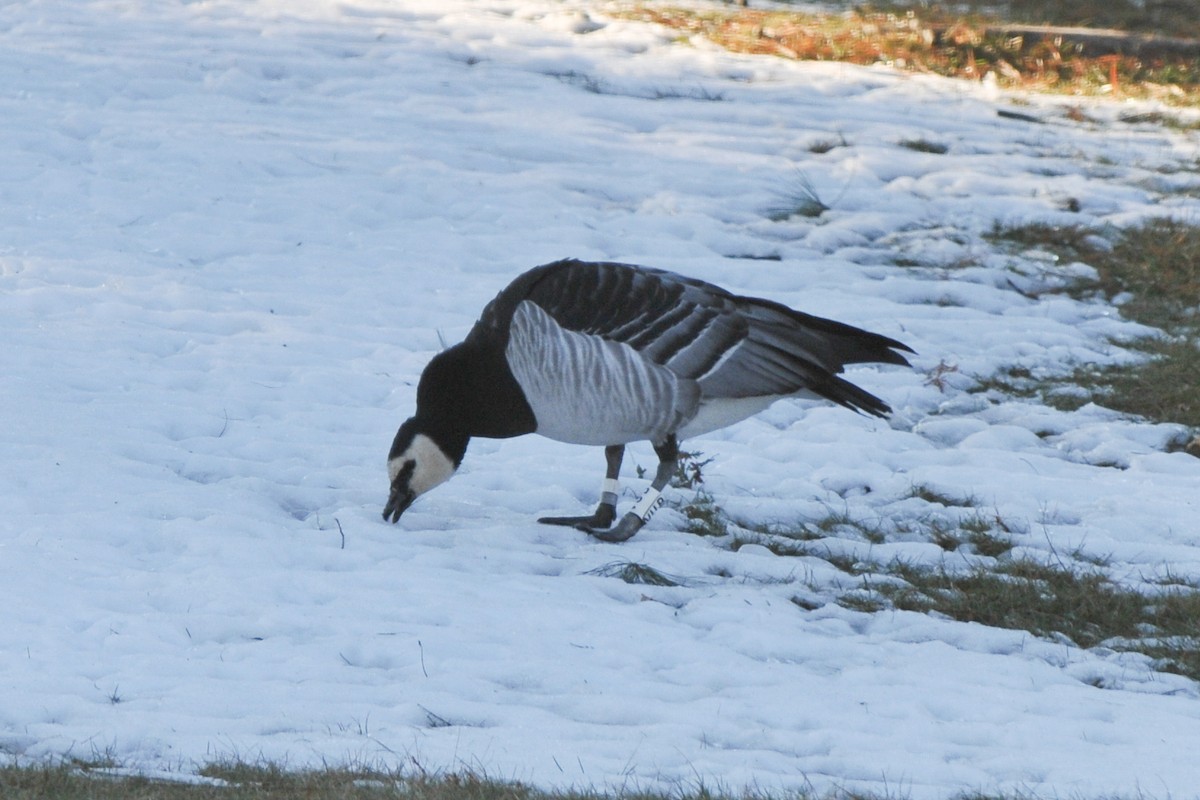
[(236, 230)]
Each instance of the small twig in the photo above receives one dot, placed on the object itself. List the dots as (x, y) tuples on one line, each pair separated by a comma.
[(1028, 295), (435, 720), (1006, 114), (341, 532), (421, 649)]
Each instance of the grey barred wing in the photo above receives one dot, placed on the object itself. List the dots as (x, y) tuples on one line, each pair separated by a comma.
[(685, 325), (728, 345)]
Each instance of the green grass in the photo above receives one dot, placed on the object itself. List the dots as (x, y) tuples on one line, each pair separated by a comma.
[(930, 495), (925, 146), (823, 146), (1163, 388), (839, 523), (1154, 269), (704, 516), (1159, 262), (237, 780), (241, 781), (1074, 601), (1071, 597), (1166, 120), (798, 199), (987, 537), (632, 572), (978, 533)]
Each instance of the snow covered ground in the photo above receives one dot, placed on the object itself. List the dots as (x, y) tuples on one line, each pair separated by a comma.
[(234, 231)]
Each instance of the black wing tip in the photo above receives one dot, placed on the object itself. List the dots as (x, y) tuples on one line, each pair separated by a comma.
[(855, 398), (877, 408), (893, 353), (881, 411), (875, 348)]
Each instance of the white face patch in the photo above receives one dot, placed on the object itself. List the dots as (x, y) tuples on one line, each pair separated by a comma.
[(431, 465)]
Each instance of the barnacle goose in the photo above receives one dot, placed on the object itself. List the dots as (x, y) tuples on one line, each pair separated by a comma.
[(607, 354)]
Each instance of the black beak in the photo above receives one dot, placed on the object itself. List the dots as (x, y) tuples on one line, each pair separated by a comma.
[(399, 499)]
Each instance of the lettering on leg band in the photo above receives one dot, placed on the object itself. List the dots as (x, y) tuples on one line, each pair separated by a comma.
[(651, 501)]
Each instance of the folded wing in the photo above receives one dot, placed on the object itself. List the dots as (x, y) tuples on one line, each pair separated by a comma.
[(731, 346)]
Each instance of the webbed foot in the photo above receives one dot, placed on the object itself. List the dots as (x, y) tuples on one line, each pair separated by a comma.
[(623, 530), (601, 518)]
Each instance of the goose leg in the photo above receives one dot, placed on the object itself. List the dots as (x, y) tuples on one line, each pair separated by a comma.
[(606, 511), (635, 518)]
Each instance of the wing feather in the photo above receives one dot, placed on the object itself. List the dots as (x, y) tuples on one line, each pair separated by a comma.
[(733, 346)]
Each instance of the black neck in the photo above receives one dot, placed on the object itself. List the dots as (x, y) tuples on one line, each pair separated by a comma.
[(469, 390)]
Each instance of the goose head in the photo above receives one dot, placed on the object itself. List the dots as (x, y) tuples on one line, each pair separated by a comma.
[(420, 459)]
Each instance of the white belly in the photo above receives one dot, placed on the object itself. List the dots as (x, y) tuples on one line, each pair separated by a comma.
[(722, 412)]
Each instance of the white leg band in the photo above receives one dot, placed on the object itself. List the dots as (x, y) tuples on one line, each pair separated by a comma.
[(651, 501), (610, 486)]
